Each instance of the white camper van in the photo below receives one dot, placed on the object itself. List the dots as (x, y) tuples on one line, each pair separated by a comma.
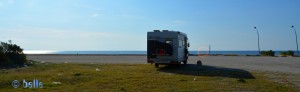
[(167, 47)]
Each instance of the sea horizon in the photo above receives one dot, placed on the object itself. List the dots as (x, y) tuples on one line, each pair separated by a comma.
[(224, 52)]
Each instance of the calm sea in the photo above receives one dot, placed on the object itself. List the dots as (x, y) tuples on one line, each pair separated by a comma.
[(144, 52)]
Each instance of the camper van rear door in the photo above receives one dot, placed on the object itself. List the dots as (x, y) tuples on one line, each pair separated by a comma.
[(159, 47), (161, 52)]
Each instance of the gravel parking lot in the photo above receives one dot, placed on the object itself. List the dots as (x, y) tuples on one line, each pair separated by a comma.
[(272, 64)]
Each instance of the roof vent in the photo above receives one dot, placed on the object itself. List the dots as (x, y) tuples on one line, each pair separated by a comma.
[(156, 30), (165, 30)]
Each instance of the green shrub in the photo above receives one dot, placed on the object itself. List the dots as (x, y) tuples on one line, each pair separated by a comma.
[(11, 54), (290, 53), (287, 53), (4, 60), (268, 53), (283, 54)]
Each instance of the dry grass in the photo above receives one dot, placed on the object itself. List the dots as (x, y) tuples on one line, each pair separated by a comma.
[(139, 77)]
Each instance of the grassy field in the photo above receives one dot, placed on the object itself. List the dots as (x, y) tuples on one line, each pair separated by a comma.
[(139, 77)]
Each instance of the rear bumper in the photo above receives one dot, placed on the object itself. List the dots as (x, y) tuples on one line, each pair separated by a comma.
[(156, 61)]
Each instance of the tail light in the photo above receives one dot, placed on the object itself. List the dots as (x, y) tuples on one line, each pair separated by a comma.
[(161, 52), (174, 62), (150, 61)]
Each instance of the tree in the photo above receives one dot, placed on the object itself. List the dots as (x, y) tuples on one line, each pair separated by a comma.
[(11, 54), (3, 59)]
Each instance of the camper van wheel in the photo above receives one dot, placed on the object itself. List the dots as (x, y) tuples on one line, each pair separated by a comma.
[(184, 62), (199, 63), (156, 65)]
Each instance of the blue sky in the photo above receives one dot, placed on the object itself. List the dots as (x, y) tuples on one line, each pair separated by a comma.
[(123, 24)]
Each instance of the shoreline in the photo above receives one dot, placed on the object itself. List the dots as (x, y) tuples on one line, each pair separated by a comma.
[(191, 52), (146, 55), (85, 54)]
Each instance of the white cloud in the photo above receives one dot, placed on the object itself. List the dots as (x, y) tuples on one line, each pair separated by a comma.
[(11, 1), (30, 3), (86, 6), (6, 2), (51, 39), (44, 32), (81, 5), (54, 39), (130, 16), (95, 15)]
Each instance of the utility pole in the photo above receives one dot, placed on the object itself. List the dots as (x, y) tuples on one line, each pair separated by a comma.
[(209, 50), (257, 40), (296, 39)]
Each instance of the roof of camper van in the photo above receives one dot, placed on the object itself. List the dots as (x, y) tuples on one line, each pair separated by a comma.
[(169, 31)]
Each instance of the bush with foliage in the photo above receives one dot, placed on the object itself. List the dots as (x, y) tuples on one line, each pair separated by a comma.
[(287, 53), (11, 54), (290, 53), (268, 53), (283, 53)]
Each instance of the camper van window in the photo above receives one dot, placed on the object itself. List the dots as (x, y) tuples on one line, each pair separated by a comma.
[(180, 43), (188, 43), (169, 42), (159, 47)]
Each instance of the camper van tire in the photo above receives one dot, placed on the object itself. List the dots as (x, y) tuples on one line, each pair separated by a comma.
[(199, 63), (184, 62), (156, 65)]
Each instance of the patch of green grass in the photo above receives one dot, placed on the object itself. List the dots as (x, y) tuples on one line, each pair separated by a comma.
[(139, 77)]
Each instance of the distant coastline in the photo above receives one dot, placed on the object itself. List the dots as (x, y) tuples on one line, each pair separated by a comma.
[(215, 53)]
